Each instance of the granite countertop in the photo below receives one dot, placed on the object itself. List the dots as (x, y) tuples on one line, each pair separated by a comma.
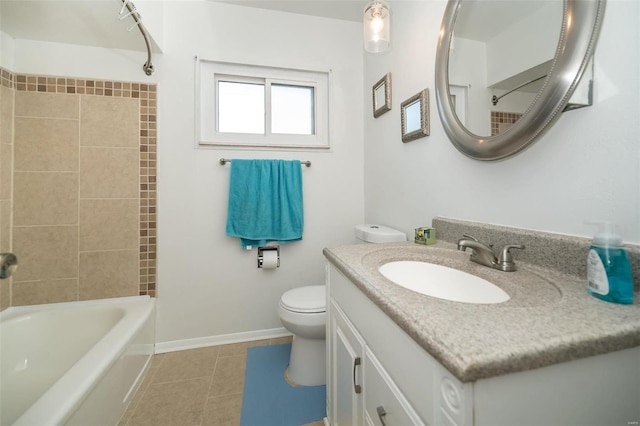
[(549, 319)]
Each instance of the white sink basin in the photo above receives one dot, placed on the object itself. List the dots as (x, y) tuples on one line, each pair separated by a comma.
[(442, 282)]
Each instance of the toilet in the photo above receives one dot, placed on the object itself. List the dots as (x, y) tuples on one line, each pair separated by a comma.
[(303, 311)]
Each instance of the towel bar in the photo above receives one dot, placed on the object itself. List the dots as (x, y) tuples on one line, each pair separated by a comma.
[(224, 161)]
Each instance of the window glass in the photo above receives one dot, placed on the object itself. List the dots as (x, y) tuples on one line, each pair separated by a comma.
[(292, 110), (240, 107)]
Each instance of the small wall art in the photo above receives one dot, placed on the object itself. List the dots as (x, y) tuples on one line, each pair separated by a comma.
[(382, 96), (414, 113)]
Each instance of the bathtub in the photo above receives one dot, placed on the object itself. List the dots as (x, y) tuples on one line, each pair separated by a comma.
[(75, 363)]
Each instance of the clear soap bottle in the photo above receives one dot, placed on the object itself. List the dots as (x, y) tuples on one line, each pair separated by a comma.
[(608, 268)]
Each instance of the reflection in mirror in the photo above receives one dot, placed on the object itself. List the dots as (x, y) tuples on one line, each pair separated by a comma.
[(412, 117), (471, 55), (458, 96), (499, 46), (414, 114), (382, 96)]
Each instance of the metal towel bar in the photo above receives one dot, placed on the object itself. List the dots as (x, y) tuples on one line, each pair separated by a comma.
[(224, 161)]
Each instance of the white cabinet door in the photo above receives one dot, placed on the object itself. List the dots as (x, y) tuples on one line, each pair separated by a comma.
[(346, 371), (384, 403)]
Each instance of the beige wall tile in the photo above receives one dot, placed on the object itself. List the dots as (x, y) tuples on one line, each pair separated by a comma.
[(49, 198), (109, 173), (44, 291), (52, 105), (108, 274), (5, 294), (110, 122), (5, 171), (45, 252), (45, 144), (109, 224), (6, 115), (5, 226)]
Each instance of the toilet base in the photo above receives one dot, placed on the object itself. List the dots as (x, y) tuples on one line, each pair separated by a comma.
[(307, 365)]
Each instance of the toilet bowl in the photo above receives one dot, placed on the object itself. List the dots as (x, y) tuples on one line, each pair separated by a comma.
[(303, 311)]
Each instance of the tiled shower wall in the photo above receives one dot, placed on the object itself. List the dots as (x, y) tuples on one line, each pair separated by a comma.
[(6, 172), (79, 184)]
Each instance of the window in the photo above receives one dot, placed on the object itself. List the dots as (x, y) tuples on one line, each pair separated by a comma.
[(243, 105)]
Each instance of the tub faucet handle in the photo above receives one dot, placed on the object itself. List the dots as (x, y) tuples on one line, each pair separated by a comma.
[(8, 264)]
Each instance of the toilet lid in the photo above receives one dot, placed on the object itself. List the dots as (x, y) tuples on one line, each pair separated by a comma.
[(310, 299)]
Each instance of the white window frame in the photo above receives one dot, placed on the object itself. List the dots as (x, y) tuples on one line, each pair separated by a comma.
[(209, 72)]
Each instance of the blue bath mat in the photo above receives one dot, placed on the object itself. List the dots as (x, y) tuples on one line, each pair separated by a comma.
[(269, 400)]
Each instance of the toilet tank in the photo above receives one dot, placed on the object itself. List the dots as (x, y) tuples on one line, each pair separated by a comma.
[(378, 234)]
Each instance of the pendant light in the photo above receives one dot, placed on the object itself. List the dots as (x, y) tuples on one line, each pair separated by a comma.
[(376, 23)]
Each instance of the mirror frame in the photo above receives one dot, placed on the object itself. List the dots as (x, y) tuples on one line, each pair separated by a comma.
[(386, 106), (581, 24), (423, 99)]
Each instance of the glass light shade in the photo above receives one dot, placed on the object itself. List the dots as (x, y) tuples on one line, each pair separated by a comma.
[(377, 24)]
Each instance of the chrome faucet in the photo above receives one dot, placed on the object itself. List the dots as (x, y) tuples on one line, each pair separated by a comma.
[(484, 255)]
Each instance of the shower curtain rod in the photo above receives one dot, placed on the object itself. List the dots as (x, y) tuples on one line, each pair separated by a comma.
[(495, 98), (148, 66), (224, 161)]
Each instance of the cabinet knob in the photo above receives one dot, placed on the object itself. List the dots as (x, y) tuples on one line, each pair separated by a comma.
[(356, 388), (381, 414)]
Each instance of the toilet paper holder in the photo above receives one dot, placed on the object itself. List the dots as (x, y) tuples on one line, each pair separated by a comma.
[(268, 248)]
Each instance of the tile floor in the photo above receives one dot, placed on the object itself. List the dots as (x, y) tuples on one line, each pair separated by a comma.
[(197, 387)]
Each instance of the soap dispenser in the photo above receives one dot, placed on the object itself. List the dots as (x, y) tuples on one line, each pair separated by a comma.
[(608, 268)]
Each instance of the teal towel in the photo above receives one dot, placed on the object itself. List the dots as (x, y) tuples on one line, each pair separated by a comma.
[(265, 201)]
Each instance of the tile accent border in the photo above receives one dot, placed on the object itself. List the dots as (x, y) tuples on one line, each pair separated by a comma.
[(147, 94), (501, 119)]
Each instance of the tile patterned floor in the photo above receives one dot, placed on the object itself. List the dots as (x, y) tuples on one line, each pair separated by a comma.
[(197, 387)]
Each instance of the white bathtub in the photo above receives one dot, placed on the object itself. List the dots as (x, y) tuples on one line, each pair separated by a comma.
[(73, 363)]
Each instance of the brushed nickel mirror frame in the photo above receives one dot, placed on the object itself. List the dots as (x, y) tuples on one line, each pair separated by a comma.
[(581, 24), (422, 98), (383, 86)]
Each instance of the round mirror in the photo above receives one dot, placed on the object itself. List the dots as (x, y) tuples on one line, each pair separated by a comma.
[(503, 76)]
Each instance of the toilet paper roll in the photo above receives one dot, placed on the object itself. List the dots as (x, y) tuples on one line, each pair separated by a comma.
[(269, 259)]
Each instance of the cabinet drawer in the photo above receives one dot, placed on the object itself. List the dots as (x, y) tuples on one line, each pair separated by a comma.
[(383, 400)]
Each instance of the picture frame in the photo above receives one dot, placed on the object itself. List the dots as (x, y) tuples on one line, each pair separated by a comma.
[(381, 92), (414, 116)]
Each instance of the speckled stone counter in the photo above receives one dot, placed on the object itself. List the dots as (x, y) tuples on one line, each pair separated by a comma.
[(549, 319)]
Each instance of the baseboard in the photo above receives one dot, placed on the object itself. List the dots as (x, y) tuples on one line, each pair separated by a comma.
[(224, 339)]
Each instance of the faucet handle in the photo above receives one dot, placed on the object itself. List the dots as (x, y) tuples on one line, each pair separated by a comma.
[(471, 237), (505, 260)]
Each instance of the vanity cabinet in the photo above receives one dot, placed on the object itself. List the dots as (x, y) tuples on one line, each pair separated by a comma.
[(378, 375), (364, 393)]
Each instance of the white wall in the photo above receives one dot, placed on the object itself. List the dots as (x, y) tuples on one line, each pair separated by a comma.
[(60, 59), (586, 167), (7, 47), (208, 286)]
